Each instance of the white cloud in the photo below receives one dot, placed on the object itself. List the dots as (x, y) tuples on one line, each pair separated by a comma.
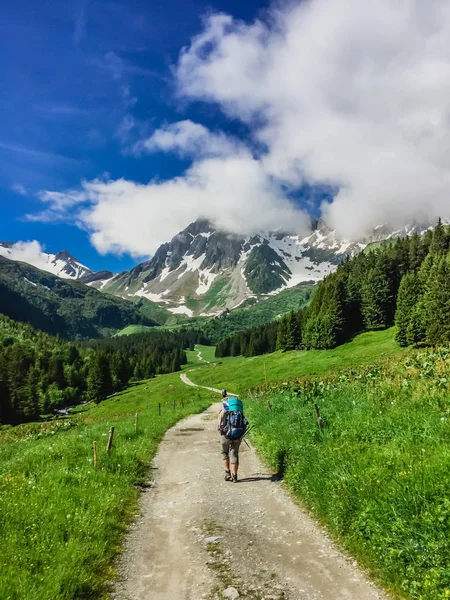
[(19, 189), (351, 93), (233, 192), (59, 205), (189, 139), (29, 252)]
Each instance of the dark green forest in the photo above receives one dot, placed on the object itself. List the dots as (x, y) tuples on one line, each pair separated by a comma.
[(62, 307), (40, 373), (405, 282)]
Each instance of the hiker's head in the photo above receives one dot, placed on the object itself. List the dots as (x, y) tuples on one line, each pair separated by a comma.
[(224, 393)]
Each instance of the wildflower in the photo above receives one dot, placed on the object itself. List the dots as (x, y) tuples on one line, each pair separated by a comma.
[(355, 476), (378, 481), (402, 473)]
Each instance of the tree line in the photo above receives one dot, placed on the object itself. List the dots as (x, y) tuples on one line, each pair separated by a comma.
[(405, 282), (40, 373)]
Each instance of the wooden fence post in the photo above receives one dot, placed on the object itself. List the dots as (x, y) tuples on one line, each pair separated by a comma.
[(110, 440), (95, 454), (159, 408), (136, 423), (319, 418), (269, 406)]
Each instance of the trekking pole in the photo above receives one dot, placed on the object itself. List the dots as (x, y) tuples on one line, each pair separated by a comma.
[(248, 431), (246, 443)]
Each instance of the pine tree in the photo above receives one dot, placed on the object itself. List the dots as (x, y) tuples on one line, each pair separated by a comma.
[(437, 303), (120, 371), (416, 333), (417, 252), (282, 334), (408, 297), (99, 378), (376, 299), (439, 243)]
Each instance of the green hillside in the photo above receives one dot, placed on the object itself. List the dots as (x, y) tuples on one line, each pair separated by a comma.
[(157, 312), (376, 476), (74, 570), (62, 521), (239, 374), (40, 374), (62, 307), (252, 314), (403, 283)]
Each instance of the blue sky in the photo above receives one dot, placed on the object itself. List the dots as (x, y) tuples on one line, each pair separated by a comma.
[(121, 122), (71, 72)]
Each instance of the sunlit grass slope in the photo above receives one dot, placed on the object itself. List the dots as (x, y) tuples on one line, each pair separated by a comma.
[(377, 475), (202, 355), (61, 521), (240, 374)]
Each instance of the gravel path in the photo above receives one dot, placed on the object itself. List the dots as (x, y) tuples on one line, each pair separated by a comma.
[(198, 536)]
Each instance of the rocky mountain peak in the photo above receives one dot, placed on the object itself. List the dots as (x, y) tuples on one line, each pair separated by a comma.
[(62, 263)]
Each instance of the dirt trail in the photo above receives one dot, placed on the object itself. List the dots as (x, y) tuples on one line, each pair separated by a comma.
[(185, 379), (198, 536)]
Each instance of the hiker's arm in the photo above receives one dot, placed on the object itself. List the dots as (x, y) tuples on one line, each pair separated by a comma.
[(219, 419)]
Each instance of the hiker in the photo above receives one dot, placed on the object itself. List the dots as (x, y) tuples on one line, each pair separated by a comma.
[(232, 426)]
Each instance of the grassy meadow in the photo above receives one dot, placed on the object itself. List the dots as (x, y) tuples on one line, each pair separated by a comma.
[(61, 521), (376, 477), (239, 373)]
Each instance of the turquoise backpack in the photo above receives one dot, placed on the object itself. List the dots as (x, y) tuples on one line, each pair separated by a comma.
[(235, 422)]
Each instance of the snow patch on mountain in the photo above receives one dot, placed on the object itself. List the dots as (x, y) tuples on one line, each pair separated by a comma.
[(61, 264), (206, 279)]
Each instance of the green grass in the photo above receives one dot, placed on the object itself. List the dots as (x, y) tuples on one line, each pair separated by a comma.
[(157, 312), (131, 329), (62, 522), (207, 355), (239, 374), (250, 314), (378, 475), (217, 293)]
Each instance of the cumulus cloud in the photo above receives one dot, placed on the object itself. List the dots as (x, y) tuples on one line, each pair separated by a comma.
[(353, 94), (189, 139), (127, 217), (29, 252)]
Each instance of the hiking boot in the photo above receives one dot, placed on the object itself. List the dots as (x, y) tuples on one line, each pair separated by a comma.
[(234, 478), (228, 476)]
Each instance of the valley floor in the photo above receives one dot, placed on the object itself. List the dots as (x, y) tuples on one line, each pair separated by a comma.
[(250, 535)]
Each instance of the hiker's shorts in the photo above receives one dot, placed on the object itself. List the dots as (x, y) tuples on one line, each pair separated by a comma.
[(230, 449)]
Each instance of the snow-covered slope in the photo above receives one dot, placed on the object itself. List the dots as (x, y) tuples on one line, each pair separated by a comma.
[(61, 264), (203, 270)]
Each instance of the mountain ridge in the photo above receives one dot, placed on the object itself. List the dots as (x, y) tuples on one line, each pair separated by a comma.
[(62, 264), (203, 270)]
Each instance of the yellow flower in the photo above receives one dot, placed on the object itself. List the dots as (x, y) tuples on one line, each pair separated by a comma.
[(378, 481)]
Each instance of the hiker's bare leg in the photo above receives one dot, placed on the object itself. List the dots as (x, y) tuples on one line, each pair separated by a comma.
[(226, 464), (234, 468)]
